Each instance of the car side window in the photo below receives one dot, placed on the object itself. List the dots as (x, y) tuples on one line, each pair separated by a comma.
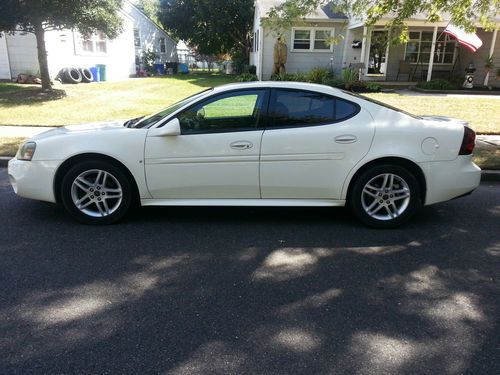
[(305, 108), (233, 111)]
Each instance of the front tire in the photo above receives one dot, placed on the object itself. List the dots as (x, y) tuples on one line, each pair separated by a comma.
[(385, 196), (96, 192)]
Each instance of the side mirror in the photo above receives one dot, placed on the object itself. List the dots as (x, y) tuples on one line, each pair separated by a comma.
[(173, 127)]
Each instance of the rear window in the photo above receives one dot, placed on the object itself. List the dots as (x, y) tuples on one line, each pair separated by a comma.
[(380, 103), (304, 108)]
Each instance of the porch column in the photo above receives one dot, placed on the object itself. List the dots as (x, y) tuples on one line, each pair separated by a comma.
[(433, 48), (492, 49), (363, 49)]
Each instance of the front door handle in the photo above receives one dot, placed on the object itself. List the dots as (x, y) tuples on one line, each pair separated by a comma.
[(346, 138), (241, 145)]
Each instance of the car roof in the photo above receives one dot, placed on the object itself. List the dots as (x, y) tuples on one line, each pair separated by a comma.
[(278, 84)]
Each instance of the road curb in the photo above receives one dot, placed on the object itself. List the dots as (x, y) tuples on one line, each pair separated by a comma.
[(486, 175), (4, 160)]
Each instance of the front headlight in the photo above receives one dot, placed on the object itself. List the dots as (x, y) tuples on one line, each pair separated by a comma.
[(26, 151)]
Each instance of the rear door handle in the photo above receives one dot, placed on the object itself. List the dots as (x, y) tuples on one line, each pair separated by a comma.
[(241, 145), (346, 138)]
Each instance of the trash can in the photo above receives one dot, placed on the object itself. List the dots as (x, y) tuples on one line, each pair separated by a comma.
[(95, 73), (102, 71), (183, 69), (160, 69)]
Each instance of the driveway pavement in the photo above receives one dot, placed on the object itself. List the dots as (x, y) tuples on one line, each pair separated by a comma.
[(250, 291)]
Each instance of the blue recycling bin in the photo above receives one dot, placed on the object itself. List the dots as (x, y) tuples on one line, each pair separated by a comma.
[(160, 69), (183, 68), (95, 73)]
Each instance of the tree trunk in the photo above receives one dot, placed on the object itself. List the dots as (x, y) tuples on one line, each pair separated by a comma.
[(42, 56)]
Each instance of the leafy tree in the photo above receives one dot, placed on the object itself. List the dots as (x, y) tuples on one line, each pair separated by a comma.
[(211, 27), (39, 16), (464, 13), (150, 8)]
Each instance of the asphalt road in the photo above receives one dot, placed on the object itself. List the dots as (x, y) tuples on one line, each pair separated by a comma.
[(250, 291)]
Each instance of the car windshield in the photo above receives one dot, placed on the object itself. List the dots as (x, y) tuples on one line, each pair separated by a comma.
[(380, 103), (146, 122)]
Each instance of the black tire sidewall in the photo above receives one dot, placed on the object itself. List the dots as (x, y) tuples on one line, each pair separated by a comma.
[(75, 171), (356, 206)]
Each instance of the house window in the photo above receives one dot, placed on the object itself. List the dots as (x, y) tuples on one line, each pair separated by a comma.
[(96, 43), (163, 47), (137, 38), (311, 39), (419, 47), (100, 43)]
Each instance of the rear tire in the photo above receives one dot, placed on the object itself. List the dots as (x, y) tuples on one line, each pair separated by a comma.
[(96, 192), (385, 196)]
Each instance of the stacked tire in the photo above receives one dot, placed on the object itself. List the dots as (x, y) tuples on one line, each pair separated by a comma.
[(76, 75)]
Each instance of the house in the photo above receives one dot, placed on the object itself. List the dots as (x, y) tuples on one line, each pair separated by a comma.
[(366, 48), (68, 48)]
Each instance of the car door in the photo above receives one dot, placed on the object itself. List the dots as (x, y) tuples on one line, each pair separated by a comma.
[(311, 143), (217, 153)]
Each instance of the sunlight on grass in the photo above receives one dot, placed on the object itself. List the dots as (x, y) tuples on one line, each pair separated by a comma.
[(101, 101), (482, 113)]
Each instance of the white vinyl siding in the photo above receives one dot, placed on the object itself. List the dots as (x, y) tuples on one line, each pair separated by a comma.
[(4, 59)]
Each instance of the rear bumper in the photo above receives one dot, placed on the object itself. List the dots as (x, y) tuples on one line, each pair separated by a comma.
[(33, 179), (450, 179)]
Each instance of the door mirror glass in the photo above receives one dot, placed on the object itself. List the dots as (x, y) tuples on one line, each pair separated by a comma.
[(171, 128)]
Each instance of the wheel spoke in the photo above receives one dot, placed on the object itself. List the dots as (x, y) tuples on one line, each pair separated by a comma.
[(392, 214), (112, 196), (384, 183), (104, 179), (106, 207), (368, 186), (370, 193), (399, 197), (101, 209), (99, 174), (82, 199), (391, 181), (82, 183), (371, 213), (81, 207), (373, 204)]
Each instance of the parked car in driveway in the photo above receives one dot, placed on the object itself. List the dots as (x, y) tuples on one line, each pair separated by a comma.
[(254, 144)]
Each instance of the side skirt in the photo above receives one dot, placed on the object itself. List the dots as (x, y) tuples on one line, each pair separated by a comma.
[(245, 202)]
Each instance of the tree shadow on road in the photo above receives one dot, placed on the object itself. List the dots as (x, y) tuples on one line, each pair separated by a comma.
[(250, 291)]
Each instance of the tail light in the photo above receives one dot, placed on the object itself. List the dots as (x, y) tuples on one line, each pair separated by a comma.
[(468, 142)]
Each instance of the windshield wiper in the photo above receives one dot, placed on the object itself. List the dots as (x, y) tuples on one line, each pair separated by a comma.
[(132, 122)]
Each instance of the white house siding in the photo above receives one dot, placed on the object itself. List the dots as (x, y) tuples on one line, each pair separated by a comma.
[(352, 55), (4, 59), (64, 50), (303, 61), (23, 54), (255, 54), (150, 35)]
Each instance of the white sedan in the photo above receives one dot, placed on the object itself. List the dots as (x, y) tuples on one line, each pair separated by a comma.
[(254, 144)]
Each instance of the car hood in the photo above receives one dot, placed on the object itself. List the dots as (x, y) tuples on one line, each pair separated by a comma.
[(82, 128)]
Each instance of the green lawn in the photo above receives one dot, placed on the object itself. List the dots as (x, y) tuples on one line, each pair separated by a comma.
[(24, 104), (482, 113), (72, 104)]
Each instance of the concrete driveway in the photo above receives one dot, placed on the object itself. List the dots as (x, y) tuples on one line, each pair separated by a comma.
[(250, 291)]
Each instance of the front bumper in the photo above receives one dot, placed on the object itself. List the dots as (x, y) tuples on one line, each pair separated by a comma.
[(33, 179), (450, 179)]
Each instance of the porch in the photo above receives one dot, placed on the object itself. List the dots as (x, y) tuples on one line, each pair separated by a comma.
[(428, 54)]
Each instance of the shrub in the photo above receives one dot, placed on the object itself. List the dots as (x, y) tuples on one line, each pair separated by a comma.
[(319, 75), (350, 77), (334, 82), (247, 77), (372, 86), (252, 69), (437, 84)]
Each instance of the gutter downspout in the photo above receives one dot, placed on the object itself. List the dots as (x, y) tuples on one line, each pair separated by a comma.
[(433, 49)]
